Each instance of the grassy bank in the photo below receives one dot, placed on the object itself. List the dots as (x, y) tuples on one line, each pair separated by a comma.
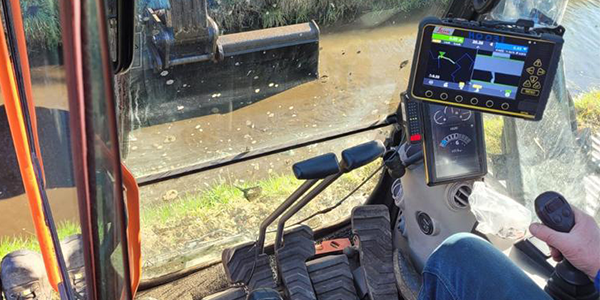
[(10, 244), (41, 22), (588, 110), (493, 126), (239, 15), (42, 18), (200, 225), (587, 107)]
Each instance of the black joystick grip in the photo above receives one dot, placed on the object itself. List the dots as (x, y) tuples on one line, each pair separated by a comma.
[(567, 282), (554, 211)]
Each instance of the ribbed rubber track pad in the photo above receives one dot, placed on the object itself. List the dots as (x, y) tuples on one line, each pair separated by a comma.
[(298, 247), (332, 278), (371, 228), (230, 294), (238, 263)]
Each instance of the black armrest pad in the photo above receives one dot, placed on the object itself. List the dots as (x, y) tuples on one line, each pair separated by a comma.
[(317, 167), (361, 155)]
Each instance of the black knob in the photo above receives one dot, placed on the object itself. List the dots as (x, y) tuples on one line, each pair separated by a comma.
[(567, 282), (394, 164), (554, 211)]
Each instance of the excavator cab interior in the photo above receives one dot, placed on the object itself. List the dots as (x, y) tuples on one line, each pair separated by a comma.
[(275, 149)]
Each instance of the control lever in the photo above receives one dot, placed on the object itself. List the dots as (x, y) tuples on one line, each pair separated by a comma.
[(311, 170), (566, 282), (352, 159), (247, 263)]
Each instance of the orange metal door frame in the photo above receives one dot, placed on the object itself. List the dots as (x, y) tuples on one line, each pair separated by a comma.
[(72, 21), (18, 131), (133, 228), (17, 22), (22, 145)]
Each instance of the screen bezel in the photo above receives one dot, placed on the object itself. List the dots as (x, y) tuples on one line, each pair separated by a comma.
[(536, 104), (429, 153)]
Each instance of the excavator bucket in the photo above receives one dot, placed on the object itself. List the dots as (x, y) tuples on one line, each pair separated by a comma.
[(188, 69)]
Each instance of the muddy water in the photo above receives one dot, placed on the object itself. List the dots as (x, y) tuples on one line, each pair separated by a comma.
[(582, 44), (361, 75), (15, 217)]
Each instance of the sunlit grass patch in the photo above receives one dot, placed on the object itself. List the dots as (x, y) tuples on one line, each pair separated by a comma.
[(232, 211), (493, 126), (242, 15), (10, 244), (588, 110)]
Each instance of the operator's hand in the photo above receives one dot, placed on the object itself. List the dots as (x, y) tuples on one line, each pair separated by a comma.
[(581, 246)]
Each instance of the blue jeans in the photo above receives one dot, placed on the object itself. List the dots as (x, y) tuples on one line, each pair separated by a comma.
[(466, 267)]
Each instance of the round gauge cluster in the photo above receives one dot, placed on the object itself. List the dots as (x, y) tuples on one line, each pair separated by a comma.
[(451, 115)]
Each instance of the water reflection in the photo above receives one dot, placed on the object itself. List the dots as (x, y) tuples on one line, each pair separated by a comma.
[(582, 41)]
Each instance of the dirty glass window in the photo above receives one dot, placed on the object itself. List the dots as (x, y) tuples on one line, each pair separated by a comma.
[(259, 75), (255, 76), (562, 151), (108, 215), (190, 220), (44, 53)]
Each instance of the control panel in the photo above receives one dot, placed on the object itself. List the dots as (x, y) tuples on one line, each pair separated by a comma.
[(506, 70), (454, 147)]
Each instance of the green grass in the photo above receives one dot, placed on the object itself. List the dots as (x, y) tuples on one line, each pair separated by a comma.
[(10, 244), (493, 126), (41, 18), (41, 22), (224, 195), (243, 15), (221, 215), (588, 110), (219, 196), (587, 107)]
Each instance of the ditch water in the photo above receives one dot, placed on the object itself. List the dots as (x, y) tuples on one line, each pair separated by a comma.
[(582, 44)]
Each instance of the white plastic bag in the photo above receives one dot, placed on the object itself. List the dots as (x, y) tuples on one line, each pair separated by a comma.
[(498, 214)]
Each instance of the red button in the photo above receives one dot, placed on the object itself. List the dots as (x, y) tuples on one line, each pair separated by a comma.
[(415, 137)]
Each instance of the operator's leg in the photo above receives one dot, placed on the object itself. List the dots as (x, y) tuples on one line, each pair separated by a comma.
[(468, 267)]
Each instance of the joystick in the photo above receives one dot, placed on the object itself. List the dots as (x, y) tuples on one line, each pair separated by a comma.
[(566, 282)]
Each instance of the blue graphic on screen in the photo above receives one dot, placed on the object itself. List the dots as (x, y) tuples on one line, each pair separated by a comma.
[(473, 62)]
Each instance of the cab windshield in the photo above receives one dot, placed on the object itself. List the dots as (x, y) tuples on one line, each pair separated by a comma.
[(211, 139), (222, 99), (189, 129)]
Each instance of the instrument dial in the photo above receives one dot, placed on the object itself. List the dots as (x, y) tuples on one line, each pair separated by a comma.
[(455, 142), (462, 114)]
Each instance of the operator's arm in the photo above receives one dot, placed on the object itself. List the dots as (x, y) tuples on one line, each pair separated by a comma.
[(581, 246)]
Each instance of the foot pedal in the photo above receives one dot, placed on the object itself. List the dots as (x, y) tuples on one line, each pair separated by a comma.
[(239, 263), (298, 247), (230, 294), (372, 230), (331, 278), (408, 280)]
